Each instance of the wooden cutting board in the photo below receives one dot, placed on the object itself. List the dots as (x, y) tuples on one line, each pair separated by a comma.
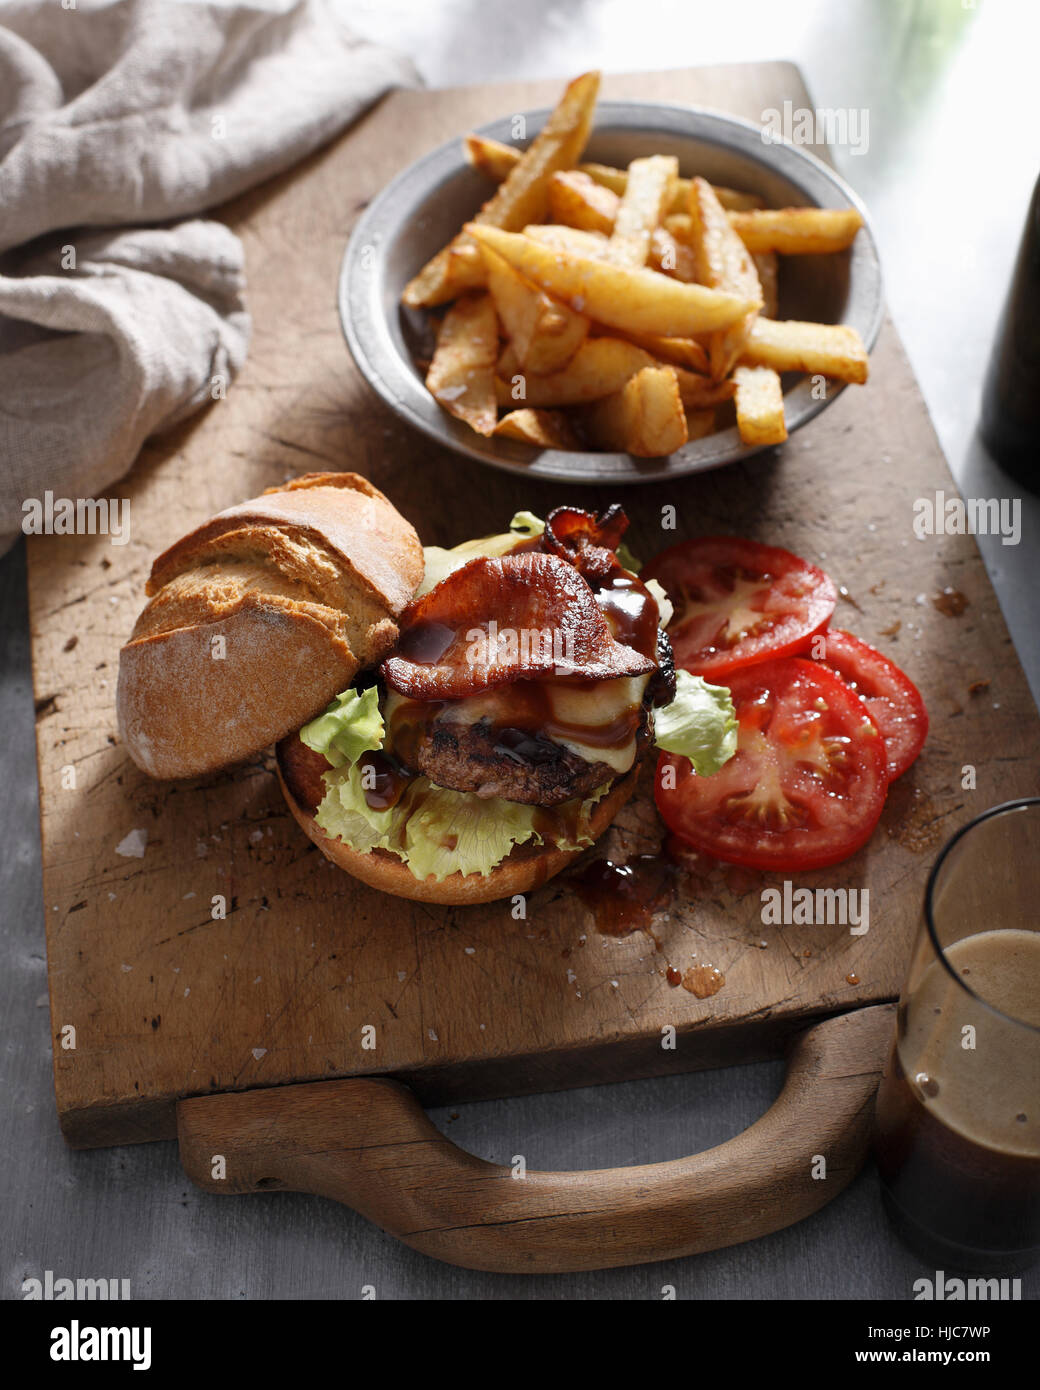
[(168, 1002)]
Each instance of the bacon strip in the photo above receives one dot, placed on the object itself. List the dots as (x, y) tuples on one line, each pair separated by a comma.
[(494, 621), (568, 530), (587, 541)]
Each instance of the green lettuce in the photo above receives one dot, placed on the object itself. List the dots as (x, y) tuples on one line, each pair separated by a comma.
[(437, 832), (627, 559), (526, 525), (699, 724), (449, 831), (350, 726)]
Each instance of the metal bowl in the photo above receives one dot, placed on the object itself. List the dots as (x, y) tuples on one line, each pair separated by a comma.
[(425, 206)]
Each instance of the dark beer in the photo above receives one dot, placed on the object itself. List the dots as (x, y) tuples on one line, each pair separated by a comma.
[(958, 1111)]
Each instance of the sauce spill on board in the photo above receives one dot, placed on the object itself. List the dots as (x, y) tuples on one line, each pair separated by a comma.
[(623, 898), (703, 980), (951, 602)]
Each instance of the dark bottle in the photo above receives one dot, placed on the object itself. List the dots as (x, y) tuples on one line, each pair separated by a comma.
[(1010, 421)]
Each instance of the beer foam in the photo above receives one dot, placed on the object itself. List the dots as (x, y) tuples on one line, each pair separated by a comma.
[(988, 1092)]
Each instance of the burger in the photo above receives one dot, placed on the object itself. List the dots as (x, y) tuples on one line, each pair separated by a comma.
[(530, 681), (451, 726)]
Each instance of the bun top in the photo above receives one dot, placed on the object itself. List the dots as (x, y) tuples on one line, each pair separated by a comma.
[(259, 617), (345, 520)]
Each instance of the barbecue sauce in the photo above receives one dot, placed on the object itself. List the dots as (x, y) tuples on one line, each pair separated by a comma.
[(383, 780), (624, 898)]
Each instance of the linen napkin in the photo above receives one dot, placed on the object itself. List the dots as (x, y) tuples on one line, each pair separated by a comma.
[(121, 310)]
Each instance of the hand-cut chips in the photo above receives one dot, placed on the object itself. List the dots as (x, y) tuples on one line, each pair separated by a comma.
[(622, 309)]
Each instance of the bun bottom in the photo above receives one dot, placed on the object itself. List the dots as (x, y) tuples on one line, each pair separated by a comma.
[(526, 868)]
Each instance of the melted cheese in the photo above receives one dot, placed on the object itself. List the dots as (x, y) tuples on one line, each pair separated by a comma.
[(591, 707)]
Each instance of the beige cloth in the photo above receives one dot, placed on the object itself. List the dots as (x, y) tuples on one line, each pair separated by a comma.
[(135, 113)]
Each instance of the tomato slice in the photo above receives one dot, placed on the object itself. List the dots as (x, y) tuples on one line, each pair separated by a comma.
[(737, 602), (806, 785), (894, 701)]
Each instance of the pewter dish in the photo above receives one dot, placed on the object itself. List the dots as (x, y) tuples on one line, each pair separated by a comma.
[(426, 204)]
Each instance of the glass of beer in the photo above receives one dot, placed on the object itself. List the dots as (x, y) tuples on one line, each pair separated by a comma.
[(957, 1137)]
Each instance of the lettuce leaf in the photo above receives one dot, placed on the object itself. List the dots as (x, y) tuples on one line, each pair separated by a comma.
[(526, 524), (449, 831), (345, 814), (627, 559), (699, 724), (350, 726), (438, 832)]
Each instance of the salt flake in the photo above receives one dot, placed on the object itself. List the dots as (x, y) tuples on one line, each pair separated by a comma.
[(133, 846)]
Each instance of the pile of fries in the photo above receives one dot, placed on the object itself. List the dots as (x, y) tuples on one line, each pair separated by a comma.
[(621, 309)]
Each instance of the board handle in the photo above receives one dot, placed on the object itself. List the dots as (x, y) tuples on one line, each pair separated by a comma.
[(368, 1143)]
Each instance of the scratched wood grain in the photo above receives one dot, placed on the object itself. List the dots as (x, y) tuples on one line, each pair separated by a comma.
[(168, 1002)]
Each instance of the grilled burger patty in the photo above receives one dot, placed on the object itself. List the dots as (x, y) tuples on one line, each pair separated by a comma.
[(477, 758), (512, 764)]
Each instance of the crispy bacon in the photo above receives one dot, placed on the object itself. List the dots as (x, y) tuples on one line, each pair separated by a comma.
[(494, 621), (586, 541), (569, 530)]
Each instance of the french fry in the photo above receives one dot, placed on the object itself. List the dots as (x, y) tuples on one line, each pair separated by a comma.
[(672, 257), (640, 301), (829, 349), (733, 200), (491, 157), (721, 256), (681, 352), (647, 194), (524, 195), (760, 406), (462, 374), (699, 392), (576, 201), (496, 160), (544, 333), (644, 418), (699, 423), (544, 429), (666, 254), (600, 367), (616, 180), (767, 265), (568, 239), (797, 231), (680, 225), (724, 263)]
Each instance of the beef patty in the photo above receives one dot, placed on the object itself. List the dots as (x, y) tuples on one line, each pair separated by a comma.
[(475, 758), (510, 763)]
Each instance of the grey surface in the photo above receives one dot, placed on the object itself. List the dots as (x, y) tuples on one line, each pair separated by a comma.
[(954, 140)]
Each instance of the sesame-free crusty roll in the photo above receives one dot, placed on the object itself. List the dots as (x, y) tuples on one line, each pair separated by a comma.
[(259, 617)]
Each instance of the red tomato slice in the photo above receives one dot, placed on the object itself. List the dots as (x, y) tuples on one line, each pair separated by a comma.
[(806, 785), (737, 602), (894, 701)]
